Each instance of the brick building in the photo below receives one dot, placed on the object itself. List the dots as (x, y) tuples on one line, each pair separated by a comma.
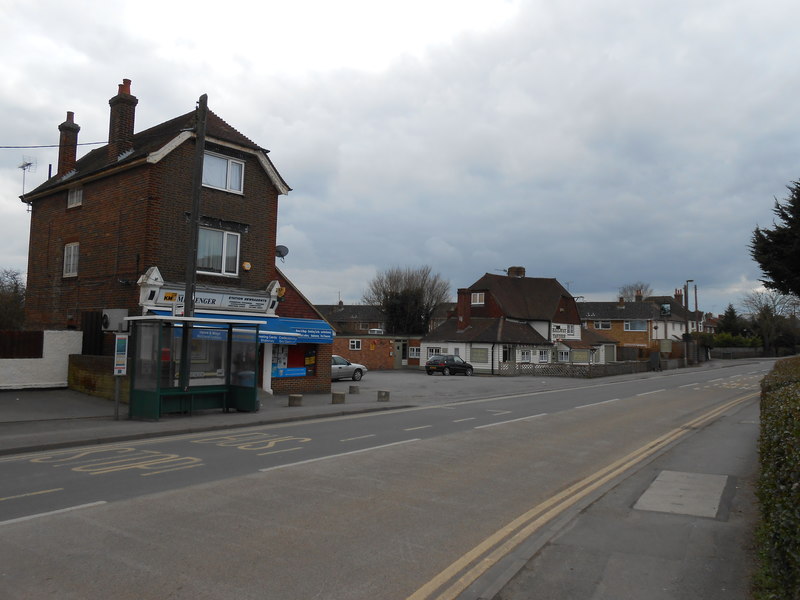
[(110, 232)]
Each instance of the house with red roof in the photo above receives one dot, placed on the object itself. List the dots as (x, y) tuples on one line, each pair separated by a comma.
[(514, 319)]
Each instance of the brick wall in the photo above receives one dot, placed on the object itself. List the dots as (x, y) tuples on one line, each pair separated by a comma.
[(318, 383), (94, 375)]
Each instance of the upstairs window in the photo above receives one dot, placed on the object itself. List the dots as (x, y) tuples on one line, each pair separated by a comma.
[(71, 254), (217, 252), (635, 325), (477, 299), (602, 324), (223, 173), (74, 197)]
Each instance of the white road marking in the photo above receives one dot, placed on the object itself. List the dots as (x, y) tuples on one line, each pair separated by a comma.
[(511, 421), (312, 460), (361, 437), (52, 512)]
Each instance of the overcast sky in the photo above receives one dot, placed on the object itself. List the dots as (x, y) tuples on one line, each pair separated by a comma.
[(599, 143)]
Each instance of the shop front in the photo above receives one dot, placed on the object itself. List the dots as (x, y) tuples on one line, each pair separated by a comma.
[(290, 351)]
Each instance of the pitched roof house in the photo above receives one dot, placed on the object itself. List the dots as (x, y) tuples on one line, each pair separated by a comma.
[(511, 319), (643, 323), (121, 214)]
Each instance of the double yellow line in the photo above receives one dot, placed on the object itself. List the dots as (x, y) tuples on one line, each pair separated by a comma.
[(490, 551)]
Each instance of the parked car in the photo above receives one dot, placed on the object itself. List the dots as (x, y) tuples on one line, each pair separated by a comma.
[(447, 364), (341, 368)]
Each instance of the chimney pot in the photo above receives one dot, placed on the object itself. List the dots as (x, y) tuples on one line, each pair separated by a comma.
[(67, 144), (121, 123)]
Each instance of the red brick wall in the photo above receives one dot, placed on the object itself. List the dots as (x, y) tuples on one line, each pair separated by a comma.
[(136, 219), (318, 383)]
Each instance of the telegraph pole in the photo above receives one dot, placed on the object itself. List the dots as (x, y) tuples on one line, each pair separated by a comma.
[(191, 257)]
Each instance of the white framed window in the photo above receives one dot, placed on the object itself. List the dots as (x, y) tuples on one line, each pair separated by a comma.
[(563, 356), (570, 330), (544, 356), (480, 355), (217, 252), (364, 326), (223, 173), (434, 350), (71, 254), (636, 325), (602, 324), (525, 356), (74, 197), (477, 298), (355, 344), (413, 352)]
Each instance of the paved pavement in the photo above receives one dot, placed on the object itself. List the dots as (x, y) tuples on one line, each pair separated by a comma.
[(634, 542)]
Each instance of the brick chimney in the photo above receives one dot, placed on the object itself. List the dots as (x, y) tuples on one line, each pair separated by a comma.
[(516, 271), (679, 296), (463, 309), (120, 128), (638, 296), (67, 144)]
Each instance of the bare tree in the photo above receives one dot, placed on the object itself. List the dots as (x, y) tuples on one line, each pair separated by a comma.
[(408, 297), (12, 299), (629, 291), (770, 314)]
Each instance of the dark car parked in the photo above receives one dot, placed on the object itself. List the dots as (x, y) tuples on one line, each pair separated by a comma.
[(447, 364)]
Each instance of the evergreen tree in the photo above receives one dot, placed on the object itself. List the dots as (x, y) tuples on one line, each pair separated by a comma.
[(730, 322), (777, 250)]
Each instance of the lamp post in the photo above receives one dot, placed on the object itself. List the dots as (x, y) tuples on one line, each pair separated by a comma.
[(686, 317)]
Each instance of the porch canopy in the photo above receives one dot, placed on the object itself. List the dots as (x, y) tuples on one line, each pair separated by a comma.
[(272, 330)]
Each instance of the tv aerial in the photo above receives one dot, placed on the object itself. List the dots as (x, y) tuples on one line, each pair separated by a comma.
[(28, 164)]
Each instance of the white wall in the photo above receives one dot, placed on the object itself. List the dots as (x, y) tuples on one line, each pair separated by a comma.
[(48, 371)]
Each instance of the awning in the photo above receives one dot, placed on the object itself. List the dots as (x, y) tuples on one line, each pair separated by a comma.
[(300, 331)]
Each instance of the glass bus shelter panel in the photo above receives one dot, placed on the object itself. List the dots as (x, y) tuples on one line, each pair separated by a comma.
[(208, 353), (146, 370)]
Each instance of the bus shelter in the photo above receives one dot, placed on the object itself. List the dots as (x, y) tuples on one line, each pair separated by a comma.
[(222, 374)]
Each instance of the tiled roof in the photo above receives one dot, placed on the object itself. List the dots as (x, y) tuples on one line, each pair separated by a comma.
[(525, 298), (590, 311), (487, 330), (148, 141)]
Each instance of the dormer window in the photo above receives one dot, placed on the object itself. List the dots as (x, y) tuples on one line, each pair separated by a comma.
[(74, 197), (223, 173), (478, 299)]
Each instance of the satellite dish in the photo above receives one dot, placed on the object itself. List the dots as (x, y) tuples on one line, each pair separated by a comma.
[(281, 251)]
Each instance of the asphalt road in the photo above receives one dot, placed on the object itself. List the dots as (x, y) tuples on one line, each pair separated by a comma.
[(382, 505)]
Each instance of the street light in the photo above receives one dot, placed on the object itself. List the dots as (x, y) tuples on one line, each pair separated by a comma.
[(686, 315)]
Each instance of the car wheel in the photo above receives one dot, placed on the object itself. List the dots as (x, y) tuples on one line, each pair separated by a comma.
[(429, 372), (468, 372), (446, 371), (357, 375)]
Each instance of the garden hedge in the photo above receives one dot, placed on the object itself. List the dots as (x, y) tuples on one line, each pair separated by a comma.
[(778, 537)]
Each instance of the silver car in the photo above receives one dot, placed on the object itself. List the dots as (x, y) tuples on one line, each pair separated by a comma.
[(341, 368)]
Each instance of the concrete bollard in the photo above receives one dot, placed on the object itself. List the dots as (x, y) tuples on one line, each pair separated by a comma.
[(354, 389), (383, 396), (337, 397), (295, 399)]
